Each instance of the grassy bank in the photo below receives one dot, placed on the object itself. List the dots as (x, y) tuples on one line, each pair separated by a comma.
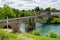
[(22, 36), (40, 37), (50, 21), (8, 36), (56, 20)]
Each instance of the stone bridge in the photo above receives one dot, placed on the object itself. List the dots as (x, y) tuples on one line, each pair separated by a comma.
[(14, 23)]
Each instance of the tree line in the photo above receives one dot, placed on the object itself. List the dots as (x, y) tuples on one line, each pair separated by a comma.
[(14, 13), (46, 9)]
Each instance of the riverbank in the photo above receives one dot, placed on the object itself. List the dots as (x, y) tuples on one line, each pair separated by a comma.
[(50, 21), (39, 37), (22, 36)]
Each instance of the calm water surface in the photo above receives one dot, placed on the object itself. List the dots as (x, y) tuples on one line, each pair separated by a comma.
[(44, 28)]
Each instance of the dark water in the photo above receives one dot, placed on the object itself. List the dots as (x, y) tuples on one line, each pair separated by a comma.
[(44, 28)]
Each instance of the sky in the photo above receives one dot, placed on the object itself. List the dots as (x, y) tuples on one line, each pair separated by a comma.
[(31, 4)]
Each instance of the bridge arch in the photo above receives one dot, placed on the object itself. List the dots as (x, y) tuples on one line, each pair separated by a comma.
[(9, 27), (23, 25)]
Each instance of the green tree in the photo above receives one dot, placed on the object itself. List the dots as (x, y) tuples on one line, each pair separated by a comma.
[(1, 13), (37, 9), (48, 9), (17, 12), (41, 10), (53, 9), (8, 12)]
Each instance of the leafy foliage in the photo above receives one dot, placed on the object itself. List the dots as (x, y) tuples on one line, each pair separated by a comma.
[(53, 34), (8, 36), (55, 20), (12, 13), (36, 32), (48, 9), (37, 9)]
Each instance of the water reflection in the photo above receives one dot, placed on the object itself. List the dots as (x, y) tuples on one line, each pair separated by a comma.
[(22, 27), (44, 28)]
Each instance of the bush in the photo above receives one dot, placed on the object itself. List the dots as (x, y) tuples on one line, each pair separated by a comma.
[(3, 35), (52, 35), (46, 35), (58, 36), (36, 32), (8, 36)]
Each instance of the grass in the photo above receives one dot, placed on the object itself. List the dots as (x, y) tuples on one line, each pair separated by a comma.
[(8, 36), (22, 36), (57, 20), (39, 37)]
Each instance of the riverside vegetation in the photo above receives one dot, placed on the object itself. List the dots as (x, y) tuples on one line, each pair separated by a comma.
[(23, 36)]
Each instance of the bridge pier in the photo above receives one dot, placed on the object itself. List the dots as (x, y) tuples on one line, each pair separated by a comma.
[(31, 25), (15, 27)]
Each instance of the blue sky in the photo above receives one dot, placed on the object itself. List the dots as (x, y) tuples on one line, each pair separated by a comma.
[(30, 4)]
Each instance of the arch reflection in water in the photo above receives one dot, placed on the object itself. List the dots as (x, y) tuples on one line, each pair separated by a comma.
[(22, 27)]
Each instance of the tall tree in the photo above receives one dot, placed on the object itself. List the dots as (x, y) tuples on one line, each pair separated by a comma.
[(8, 11), (37, 9), (53, 9), (48, 9), (41, 10), (1, 13)]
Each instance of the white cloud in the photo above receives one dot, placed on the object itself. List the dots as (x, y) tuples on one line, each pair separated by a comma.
[(30, 4)]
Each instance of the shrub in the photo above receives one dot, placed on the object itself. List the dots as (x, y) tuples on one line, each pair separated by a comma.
[(46, 35), (58, 36), (52, 34), (8, 36), (36, 32), (3, 35)]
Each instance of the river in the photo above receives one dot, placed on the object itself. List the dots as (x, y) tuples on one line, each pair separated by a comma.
[(44, 28)]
